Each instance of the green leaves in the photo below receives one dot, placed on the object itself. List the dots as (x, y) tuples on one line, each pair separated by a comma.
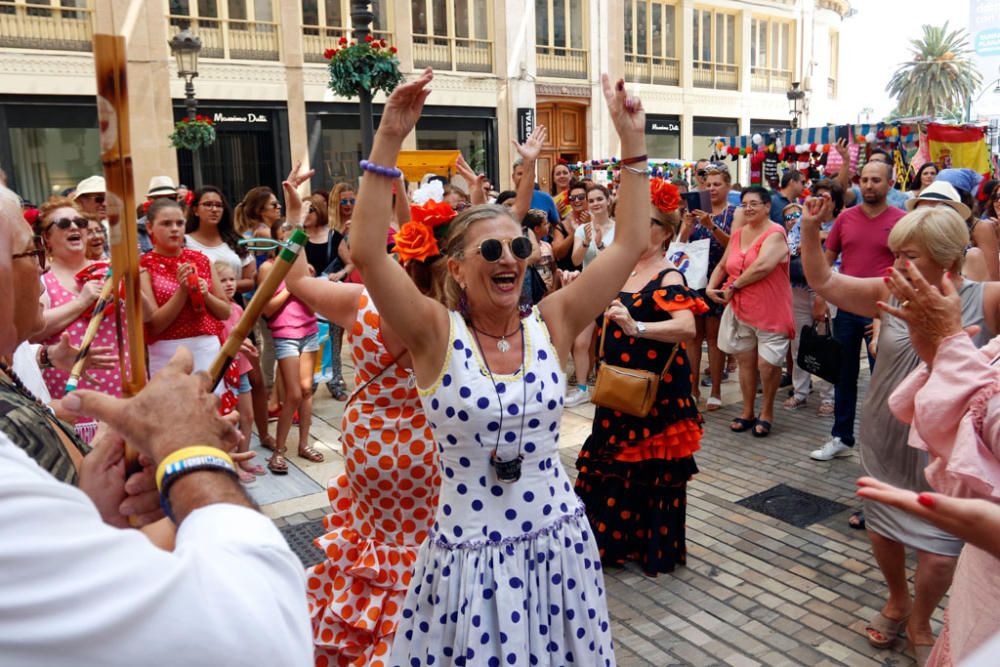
[(193, 134), (360, 67), (939, 79)]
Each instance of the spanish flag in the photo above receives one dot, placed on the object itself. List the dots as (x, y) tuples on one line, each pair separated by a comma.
[(959, 147)]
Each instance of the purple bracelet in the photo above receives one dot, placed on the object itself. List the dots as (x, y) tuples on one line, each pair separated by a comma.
[(388, 172)]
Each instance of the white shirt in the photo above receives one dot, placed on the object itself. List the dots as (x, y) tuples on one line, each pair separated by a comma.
[(591, 253), (220, 253), (75, 590), (25, 364)]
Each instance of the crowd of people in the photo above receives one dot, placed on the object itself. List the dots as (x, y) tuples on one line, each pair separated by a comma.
[(472, 319)]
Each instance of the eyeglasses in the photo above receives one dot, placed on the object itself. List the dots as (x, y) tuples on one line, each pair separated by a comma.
[(492, 249), (98, 199), (577, 197), (461, 206), (65, 223), (793, 216), (211, 204), (345, 201), (751, 204), (38, 253)]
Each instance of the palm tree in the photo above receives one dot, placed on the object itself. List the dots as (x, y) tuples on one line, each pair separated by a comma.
[(940, 78)]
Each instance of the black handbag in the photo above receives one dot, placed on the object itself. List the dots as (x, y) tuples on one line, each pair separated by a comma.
[(819, 353)]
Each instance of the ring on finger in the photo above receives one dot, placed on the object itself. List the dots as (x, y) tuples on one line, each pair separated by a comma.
[(905, 304)]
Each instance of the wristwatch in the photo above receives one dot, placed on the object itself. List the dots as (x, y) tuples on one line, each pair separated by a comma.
[(640, 329), (600, 246)]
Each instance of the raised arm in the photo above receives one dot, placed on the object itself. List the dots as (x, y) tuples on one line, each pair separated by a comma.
[(528, 151), (570, 309), (337, 302), (422, 323), (477, 195), (858, 295)]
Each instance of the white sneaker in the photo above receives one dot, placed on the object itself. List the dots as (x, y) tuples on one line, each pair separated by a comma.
[(577, 397), (831, 450)]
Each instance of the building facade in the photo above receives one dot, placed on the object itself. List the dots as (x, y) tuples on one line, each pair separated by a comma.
[(703, 69)]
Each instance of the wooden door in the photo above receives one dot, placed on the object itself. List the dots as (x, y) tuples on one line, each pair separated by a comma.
[(567, 136)]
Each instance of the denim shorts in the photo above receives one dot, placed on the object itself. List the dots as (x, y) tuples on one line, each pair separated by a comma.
[(294, 347), (245, 383)]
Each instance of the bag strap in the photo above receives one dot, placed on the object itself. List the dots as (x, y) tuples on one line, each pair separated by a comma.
[(604, 331), (670, 359)]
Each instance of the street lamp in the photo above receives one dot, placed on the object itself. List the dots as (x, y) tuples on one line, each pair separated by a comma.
[(361, 17), (186, 46), (796, 98)]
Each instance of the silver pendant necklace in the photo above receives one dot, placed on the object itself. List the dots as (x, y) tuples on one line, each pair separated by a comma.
[(502, 343)]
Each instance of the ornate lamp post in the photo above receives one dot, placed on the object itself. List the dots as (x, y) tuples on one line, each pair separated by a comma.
[(186, 46), (796, 98), (361, 18)]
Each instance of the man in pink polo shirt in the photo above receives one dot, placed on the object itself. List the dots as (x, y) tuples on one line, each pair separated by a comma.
[(860, 237)]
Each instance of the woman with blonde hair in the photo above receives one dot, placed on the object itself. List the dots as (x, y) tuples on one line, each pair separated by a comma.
[(340, 208), (932, 240)]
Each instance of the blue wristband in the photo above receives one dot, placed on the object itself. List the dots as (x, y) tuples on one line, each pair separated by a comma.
[(178, 469)]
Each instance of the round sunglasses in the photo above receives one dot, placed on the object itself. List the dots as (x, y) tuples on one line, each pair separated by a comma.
[(66, 223), (492, 249)]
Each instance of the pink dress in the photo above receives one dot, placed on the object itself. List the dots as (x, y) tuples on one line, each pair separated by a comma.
[(766, 304), (105, 381), (954, 410)]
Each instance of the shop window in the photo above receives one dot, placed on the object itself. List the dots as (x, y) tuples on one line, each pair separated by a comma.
[(705, 132), (663, 137), (324, 22), (48, 160), (560, 38)]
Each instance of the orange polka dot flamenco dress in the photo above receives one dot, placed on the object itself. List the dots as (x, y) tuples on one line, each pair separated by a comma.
[(633, 471), (382, 506)]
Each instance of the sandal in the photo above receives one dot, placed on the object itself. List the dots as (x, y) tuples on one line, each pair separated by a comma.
[(277, 464), (714, 403), (882, 631), (857, 520), (310, 454), (793, 403), (267, 442), (761, 429), (921, 652), (825, 409), (254, 469), (739, 425)]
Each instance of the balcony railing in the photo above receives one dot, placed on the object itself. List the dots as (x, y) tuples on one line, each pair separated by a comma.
[(561, 62), (652, 69), (317, 38), (831, 88), (45, 27), (233, 39), (765, 80), (452, 53), (722, 76)]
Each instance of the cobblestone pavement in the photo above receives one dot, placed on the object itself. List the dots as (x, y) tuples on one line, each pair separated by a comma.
[(756, 590)]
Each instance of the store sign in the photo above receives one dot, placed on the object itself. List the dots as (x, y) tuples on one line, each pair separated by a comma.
[(662, 126), (525, 124), (234, 117)]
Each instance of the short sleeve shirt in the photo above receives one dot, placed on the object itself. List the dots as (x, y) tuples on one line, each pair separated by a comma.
[(591, 253), (220, 253), (863, 242)]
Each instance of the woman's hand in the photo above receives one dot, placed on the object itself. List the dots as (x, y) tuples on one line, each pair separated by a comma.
[(588, 229), (532, 146), (598, 236), (720, 296), (249, 349), (183, 271), (619, 314), (566, 277), (816, 210), (820, 309), (932, 314), (703, 218), (403, 108), (89, 292), (203, 286), (293, 200), (62, 355), (626, 112)]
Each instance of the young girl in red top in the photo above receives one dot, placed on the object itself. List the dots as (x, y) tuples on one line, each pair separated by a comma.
[(296, 341), (183, 303)]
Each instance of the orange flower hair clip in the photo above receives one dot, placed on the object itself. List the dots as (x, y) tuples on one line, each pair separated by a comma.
[(433, 213), (664, 195), (415, 240)]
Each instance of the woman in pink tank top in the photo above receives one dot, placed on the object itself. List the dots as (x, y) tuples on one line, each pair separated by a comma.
[(757, 325), (296, 341)]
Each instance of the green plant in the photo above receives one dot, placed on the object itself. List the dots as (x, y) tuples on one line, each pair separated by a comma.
[(193, 134), (939, 79), (366, 66)]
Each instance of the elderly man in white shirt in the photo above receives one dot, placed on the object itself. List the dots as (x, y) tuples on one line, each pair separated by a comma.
[(75, 589)]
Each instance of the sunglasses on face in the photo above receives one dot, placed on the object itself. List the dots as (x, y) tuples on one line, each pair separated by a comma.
[(65, 223), (98, 199), (38, 253), (345, 201), (461, 206), (492, 249), (793, 216), (703, 173), (578, 197)]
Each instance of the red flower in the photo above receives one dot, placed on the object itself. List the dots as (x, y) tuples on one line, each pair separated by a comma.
[(185, 119), (343, 40), (328, 53), (415, 240), (381, 43), (432, 214), (664, 195), (369, 38), (392, 49)]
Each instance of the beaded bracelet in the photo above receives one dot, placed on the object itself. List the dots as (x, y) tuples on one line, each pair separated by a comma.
[(388, 172)]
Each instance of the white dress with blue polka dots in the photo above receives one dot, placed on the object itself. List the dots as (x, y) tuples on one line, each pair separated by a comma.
[(509, 574)]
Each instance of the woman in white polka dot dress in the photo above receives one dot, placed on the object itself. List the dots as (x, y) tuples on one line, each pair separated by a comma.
[(509, 574)]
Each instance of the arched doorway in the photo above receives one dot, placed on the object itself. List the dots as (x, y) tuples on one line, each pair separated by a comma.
[(567, 136)]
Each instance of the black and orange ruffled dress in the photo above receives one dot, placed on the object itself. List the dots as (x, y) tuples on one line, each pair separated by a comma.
[(633, 471)]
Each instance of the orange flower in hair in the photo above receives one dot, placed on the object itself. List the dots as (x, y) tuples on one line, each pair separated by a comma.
[(415, 240), (433, 213), (664, 195)]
